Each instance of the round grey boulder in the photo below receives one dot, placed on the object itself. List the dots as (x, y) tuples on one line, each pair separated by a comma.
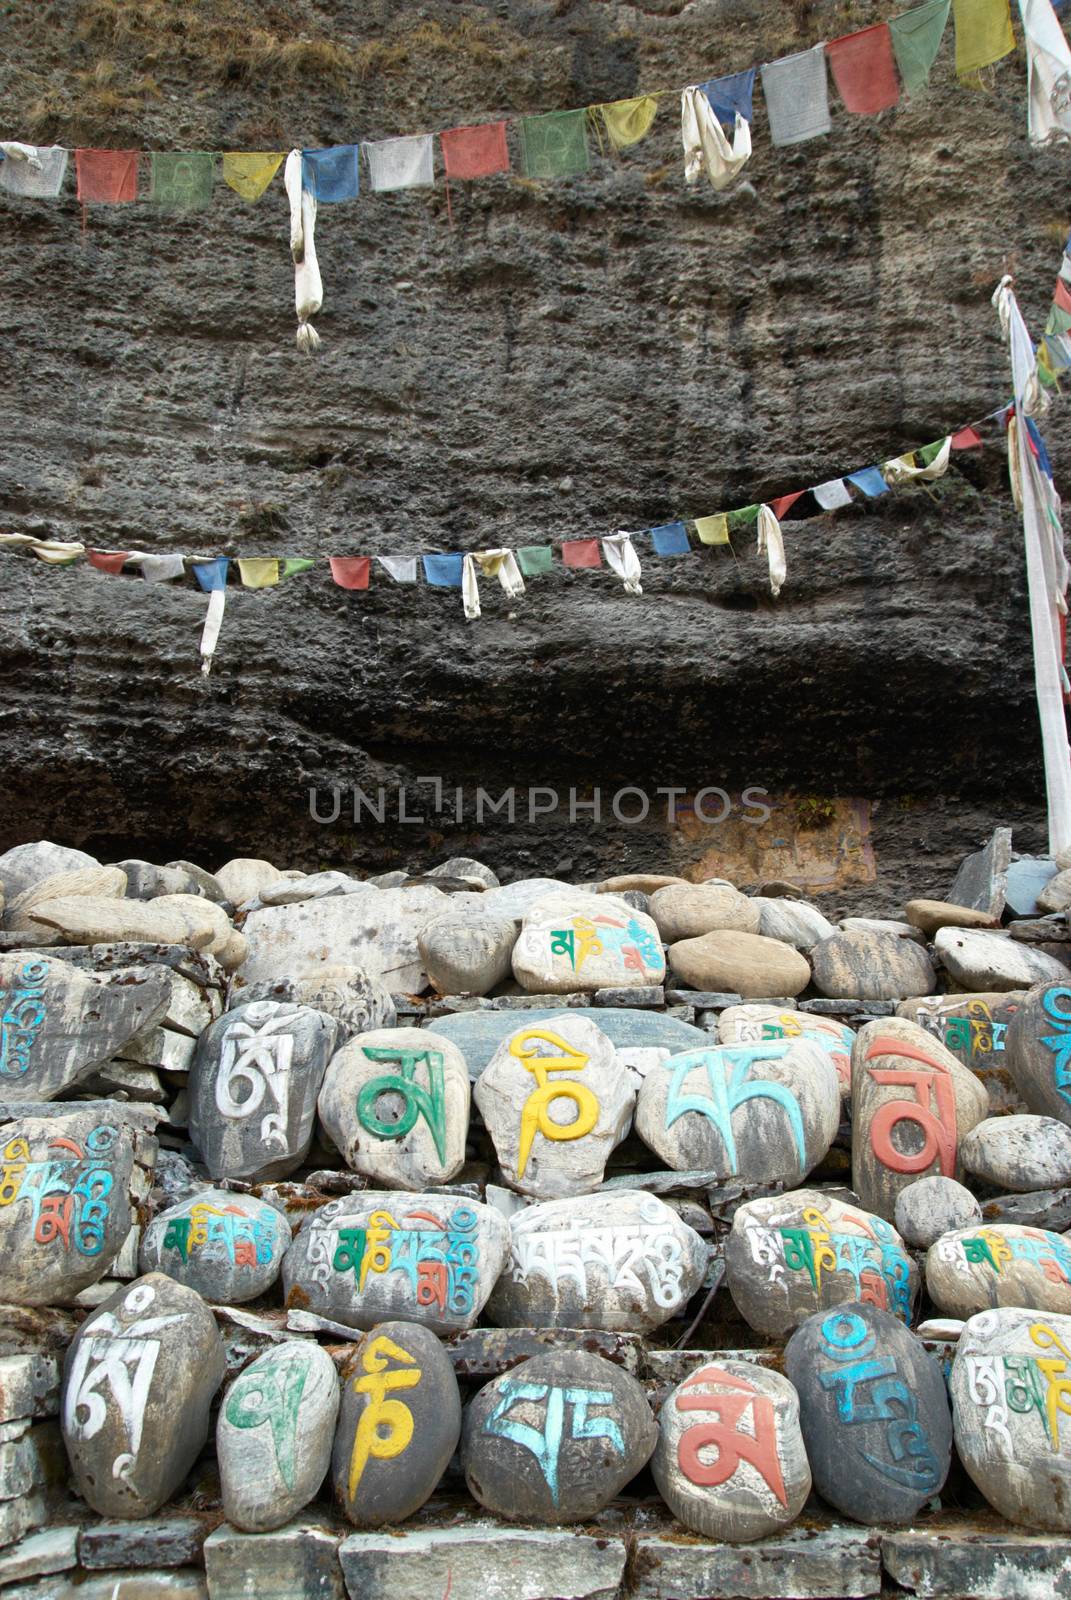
[(1019, 1153), (930, 1207)]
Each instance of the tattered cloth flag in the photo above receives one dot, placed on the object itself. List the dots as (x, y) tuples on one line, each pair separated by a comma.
[(621, 557), (56, 552), (916, 39), (627, 121), (475, 152), (713, 530), (33, 170), (183, 181), (581, 553), (350, 572), (212, 577), (555, 145), (535, 559), (967, 439), (444, 571), (864, 70), (158, 569), (705, 145), (786, 502), (108, 560), (1049, 69), (670, 539), (332, 174), (743, 518), (731, 97), (870, 481), (934, 459), (406, 163), (106, 177), (500, 564), (832, 495), (983, 34), (772, 545), (308, 288), (797, 96), (295, 564), (401, 568), (258, 572), (249, 172)]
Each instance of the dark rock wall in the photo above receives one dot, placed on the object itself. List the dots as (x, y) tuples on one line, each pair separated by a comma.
[(567, 359)]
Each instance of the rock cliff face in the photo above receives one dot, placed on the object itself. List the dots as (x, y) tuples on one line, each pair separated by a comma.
[(567, 358)]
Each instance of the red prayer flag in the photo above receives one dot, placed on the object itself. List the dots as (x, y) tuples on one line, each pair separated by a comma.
[(967, 439), (108, 176), (581, 553), (1062, 295), (350, 572), (864, 70), (779, 507), (475, 152), (108, 560)]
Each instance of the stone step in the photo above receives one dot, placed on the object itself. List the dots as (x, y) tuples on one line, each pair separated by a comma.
[(960, 1562)]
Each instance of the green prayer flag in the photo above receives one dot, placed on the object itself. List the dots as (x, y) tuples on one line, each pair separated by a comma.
[(1059, 320), (916, 39), (743, 518), (182, 181), (556, 145), (292, 564), (534, 559), (930, 452)]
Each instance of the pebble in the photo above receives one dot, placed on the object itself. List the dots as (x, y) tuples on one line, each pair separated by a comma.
[(979, 961), (274, 1434), (868, 965), (752, 1024), (1019, 1153), (146, 881), (930, 1207), (1000, 1264), (687, 910), (740, 963), (899, 930), (1056, 895), (229, 1247), (582, 942)]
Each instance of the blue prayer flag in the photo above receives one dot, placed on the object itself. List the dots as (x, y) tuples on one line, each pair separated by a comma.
[(671, 539), (870, 480), (331, 174), (212, 574), (443, 571), (729, 95), (1043, 455)]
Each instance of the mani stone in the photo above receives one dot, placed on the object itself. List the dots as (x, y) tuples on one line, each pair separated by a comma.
[(138, 1381), (253, 1088), (753, 1024), (620, 1260), (374, 929), (59, 1025), (357, 1002), (930, 1207), (865, 965), (556, 1100), (398, 1427), (555, 1439), (912, 1104), (796, 1254), (740, 963), (730, 1461), (978, 961), (468, 954), (229, 1247), (1002, 1264), (395, 1102), (381, 1254), (1019, 1153), (687, 910), (478, 1034), (582, 942), (766, 1113), (66, 1202), (1039, 1050), (974, 1027), (874, 1413), (1009, 1386), (274, 1434)]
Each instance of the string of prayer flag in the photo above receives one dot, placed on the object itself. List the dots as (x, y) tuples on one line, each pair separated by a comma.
[(671, 539), (535, 559), (33, 172), (916, 39), (475, 152), (581, 553), (405, 163), (182, 182), (401, 568), (628, 121), (106, 177), (796, 92), (731, 97), (350, 572), (443, 571), (332, 174), (258, 572), (864, 70), (555, 145), (983, 34), (713, 530), (249, 172)]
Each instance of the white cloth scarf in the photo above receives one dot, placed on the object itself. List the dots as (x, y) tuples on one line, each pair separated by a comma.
[(621, 557), (772, 545), (308, 288), (492, 563), (1049, 70), (902, 470), (401, 568), (54, 551), (217, 600), (705, 145)]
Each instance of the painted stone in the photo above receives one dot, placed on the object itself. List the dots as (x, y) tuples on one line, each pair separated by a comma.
[(357, 1002), (138, 1381), (395, 1102), (555, 1100), (980, 961), (1002, 1264), (229, 1247), (468, 954), (58, 1025), (873, 1410), (753, 1024), (374, 929), (274, 1433), (795, 1254), (478, 1034), (253, 1088), (865, 965), (730, 1461), (792, 921), (974, 1027), (930, 1207), (1039, 1050), (66, 1205), (578, 941), (426, 1258), (554, 1439), (687, 910), (766, 1112), (398, 1427), (740, 963), (1019, 1153), (1011, 1394), (620, 1260), (912, 1104)]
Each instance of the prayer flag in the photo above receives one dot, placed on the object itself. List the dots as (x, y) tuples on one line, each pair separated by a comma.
[(158, 569), (1048, 72), (1059, 320), (295, 564), (535, 559), (41, 182), (743, 518), (967, 439), (916, 39), (331, 174), (832, 495), (785, 503), (928, 453), (1062, 295), (731, 96), (983, 34), (107, 560), (212, 574), (249, 172), (628, 121), (870, 481), (258, 572), (182, 181), (671, 539), (400, 163), (350, 572), (581, 553), (797, 96), (475, 152), (107, 177), (401, 568), (864, 71), (555, 145), (443, 572), (713, 530)]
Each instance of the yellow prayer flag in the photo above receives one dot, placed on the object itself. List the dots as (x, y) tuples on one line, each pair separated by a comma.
[(249, 172), (259, 572), (627, 121), (983, 34), (713, 530)]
